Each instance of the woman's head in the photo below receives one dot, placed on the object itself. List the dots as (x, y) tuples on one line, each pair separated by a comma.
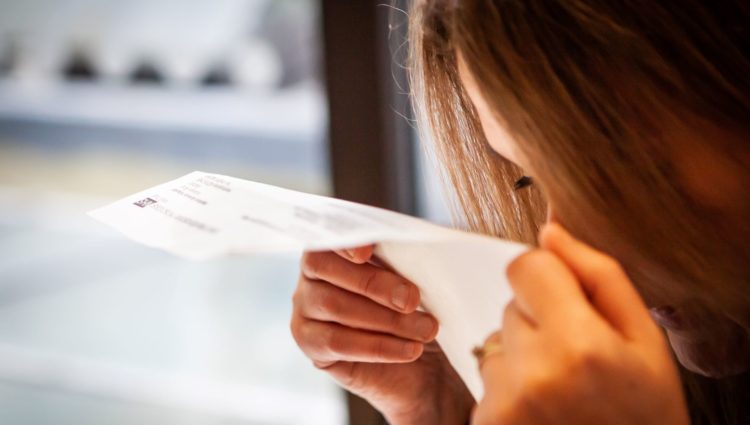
[(632, 117)]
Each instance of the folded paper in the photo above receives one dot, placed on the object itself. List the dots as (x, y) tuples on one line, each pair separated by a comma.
[(461, 276)]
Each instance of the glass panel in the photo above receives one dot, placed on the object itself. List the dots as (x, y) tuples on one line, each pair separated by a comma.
[(99, 99), (432, 193)]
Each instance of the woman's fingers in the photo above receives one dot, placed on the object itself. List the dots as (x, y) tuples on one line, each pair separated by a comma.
[(327, 342), (351, 375), (343, 372), (507, 350), (384, 287), (350, 312), (546, 291), (493, 365), (327, 303), (517, 331), (607, 286)]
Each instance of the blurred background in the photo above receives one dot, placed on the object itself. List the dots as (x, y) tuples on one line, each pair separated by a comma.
[(103, 98)]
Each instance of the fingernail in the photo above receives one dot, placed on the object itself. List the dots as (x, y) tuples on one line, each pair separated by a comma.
[(349, 253), (400, 296), (411, 349), (425, 326)]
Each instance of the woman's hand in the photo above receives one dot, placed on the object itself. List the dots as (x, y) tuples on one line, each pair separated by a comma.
[(578, 346), (359, 323)]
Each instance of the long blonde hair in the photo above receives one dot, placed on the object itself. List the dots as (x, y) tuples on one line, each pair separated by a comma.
[(600, 97), (589, 91)]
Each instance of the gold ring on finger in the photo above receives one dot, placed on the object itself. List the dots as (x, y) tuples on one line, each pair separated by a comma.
[(489, 349)]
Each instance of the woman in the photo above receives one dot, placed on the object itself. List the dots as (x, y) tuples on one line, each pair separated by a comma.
[(632, 119)]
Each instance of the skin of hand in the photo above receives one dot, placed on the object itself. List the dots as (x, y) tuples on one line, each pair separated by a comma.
[(578, 345), (359, 323)]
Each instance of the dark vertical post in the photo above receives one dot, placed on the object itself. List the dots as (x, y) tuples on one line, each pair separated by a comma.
[(370, 138)]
